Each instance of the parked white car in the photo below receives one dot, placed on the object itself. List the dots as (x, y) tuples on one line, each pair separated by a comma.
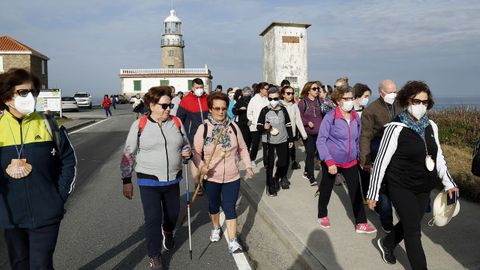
[(83, 99), (69, 104)]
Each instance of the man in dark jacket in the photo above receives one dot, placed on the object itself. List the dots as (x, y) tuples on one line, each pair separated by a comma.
[(374, 118), (38, 173), (240, 110), (193, 111)]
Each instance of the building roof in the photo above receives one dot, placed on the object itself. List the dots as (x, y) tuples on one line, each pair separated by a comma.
[(305, 25), (12, 46), (173, 17)]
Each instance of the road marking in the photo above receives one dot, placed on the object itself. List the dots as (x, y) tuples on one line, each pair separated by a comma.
[(240, 259), (89, 126)]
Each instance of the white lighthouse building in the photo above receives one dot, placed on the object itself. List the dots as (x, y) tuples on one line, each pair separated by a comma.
[(285, 53), (172, 71)]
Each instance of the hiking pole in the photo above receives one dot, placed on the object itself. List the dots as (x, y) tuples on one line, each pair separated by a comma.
[(208, 163), (187, 195)]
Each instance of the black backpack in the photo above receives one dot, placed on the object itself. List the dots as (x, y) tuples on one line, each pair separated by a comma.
[(476, 159)]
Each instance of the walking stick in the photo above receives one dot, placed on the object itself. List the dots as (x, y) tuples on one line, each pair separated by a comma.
[(187, 195), (208, 163)]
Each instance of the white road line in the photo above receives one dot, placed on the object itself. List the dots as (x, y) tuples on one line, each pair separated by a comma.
[(240, 259), (89, 126)]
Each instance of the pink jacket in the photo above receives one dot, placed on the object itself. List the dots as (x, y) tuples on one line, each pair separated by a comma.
[(222, 170)]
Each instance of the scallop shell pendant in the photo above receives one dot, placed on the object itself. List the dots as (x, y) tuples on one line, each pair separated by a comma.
[(429, 163), (18, 168)]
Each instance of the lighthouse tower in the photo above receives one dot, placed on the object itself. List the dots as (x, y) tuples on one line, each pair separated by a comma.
[(172, 42)]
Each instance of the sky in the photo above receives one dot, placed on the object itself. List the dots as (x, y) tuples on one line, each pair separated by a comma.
[(89, 41)]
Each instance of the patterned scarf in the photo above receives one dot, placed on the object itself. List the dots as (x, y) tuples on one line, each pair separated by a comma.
[(417, 126), (217, 126)]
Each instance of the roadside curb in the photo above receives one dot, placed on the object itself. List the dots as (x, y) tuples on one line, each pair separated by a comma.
[(80, 125), (293, 244)]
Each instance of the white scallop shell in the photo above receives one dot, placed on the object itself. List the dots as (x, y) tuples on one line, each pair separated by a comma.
[(18, 168)]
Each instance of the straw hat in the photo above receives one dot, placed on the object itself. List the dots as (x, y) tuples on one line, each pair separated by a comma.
[(443, 213)]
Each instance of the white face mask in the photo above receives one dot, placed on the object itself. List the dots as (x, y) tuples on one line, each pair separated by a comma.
[(24, 105), (390, 98), (364, 102), (274, 103), (198, 92), (347, 106), (418, 111)]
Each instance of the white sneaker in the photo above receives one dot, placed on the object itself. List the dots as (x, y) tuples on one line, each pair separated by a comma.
[(234, 246), (254, 166), (216, 235)]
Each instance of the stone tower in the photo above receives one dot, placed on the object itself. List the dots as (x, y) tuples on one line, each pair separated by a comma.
[(172, 42), (285, 53)]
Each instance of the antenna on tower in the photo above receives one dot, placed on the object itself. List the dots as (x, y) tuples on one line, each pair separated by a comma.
[(172, 4)]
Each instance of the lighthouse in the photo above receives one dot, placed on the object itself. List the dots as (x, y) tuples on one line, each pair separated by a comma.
[(172, 43)]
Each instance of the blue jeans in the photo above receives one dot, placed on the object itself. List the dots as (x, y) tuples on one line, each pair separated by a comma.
[(225, 194), (384, 209)]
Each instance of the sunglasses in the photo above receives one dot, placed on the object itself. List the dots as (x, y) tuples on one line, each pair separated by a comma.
[(419, 101), (288, 93), (217, 109), (275, 98), (166, 105), (315, 88), (24, 92)]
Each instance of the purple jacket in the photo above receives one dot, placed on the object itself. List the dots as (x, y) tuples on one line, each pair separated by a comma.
[(311, 111), (338, 142)]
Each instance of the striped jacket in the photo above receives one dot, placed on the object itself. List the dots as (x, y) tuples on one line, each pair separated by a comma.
[(401, 160), (37, 199), (192, 111)]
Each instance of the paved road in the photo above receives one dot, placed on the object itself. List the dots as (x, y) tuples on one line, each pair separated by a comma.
[(102, 230)]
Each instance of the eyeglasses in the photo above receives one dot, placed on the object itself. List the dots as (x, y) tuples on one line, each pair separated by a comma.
[(166, 105), (419, 101), (217, 109), (275, 98), (24, 92), (315, 88), (288, 93)]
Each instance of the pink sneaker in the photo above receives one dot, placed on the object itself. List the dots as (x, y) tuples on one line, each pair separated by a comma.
[(365, 228), (324, 222)]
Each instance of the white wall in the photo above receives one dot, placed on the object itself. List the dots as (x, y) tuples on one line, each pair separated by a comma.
[(1, 64), (285, 59), (180, 84)]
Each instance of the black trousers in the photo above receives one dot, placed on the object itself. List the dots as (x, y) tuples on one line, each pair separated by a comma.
[(311, 149), (32, 248), (247, 137), (353, 185), (410, 207), (256, 136), (160, 207), (293, 153), (271, 151), (365, 181)]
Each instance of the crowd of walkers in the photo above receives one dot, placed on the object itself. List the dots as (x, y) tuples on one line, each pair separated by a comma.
[(388, 152)]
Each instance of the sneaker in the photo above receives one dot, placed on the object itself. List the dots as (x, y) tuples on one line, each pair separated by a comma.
[(168, 242), (305, 175), (271, 191), (387, 228), (365, 228), (295, 165), (284, 183), (216, 234), (387, 254), (324, 222), (200, 190), (156, 263), (312, 181), (234, 246)]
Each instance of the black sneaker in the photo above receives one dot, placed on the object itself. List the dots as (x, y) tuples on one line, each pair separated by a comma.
[(296, 166), (271, 191), (168, 242), (305, 175), (284, 183), (312, 181), (387, 254), (156, 263)]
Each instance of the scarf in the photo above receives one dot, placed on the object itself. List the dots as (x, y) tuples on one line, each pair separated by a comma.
[(217, 126), (417, 126)]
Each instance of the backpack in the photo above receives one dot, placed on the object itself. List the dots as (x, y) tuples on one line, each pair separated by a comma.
[(476, 159), (143, 122)]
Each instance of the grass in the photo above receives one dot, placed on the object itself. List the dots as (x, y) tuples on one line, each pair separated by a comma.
[(459, 130)]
